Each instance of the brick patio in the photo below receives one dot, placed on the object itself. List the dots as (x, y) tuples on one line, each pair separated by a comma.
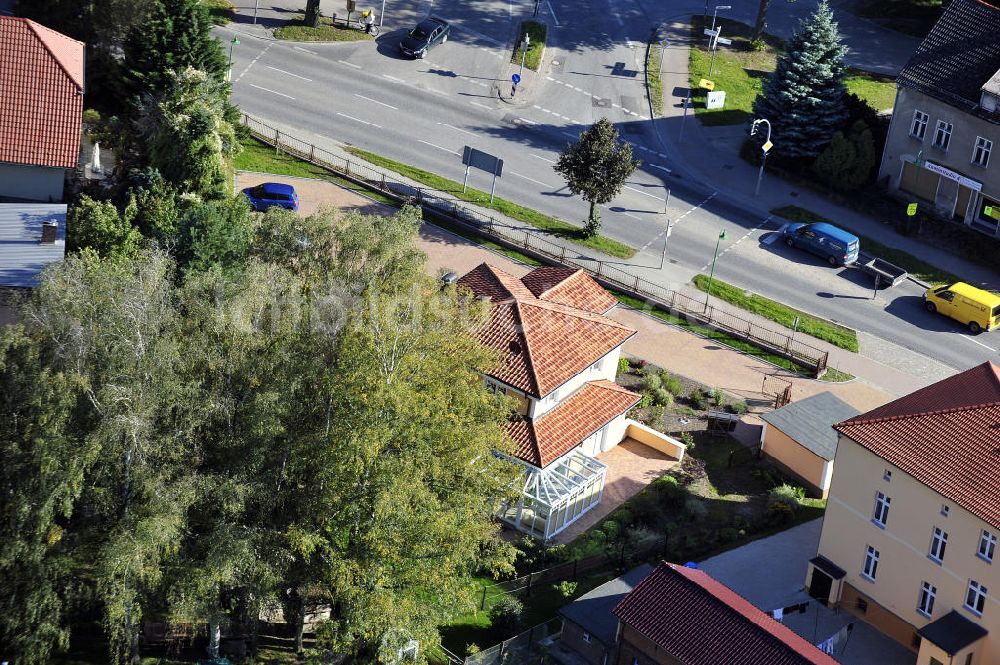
[(631, 467)]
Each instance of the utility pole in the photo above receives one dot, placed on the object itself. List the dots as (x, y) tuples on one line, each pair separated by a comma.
[(715, 14), (524, 51), (711, 275), (666, 237), (229, 71), (382, 15)]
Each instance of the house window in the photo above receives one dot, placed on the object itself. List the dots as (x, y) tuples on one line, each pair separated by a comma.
[(586, 637), (981, 153), (945, 510), (871, 563), (919, 125), (975, 598), (927, 594), (942, 135), (987, 545), (968, 659), (887, 475), (881, 513), (939, 541), (935, 661)]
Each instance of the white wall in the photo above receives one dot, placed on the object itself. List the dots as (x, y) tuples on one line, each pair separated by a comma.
[(34, 183), (607, 368)]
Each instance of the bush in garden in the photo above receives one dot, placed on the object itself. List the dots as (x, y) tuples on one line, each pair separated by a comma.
[(695, 509), (718, 397), (672, 383), (662, 396), (623, 366), (656, 417), (646, 400), (472, 649), (667, 488), (688, 440), (565, 588), (624, 516), (653, 382), (739, 408), (506, 614), (645, 507), (780, 513), (697, 399)]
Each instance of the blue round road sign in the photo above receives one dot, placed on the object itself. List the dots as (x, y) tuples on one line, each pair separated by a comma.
[(516, 78)]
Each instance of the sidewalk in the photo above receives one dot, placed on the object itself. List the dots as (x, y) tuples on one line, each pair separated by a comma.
[(706, 152)]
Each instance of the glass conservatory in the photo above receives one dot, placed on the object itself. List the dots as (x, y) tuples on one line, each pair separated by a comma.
[(556, 496)]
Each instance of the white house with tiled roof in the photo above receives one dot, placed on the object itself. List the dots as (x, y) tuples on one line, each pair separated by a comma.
[(911, 530), (558, 357)]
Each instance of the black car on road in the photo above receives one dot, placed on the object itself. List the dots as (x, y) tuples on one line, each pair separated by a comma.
[(428, 32)]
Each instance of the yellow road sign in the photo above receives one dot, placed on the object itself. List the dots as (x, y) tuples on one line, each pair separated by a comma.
[(767, 146), (705, 83), (911, 209)]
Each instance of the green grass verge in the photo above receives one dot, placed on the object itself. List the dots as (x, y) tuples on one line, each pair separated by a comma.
[(297, 31), (878, 91), (536, 45), (221, 11), (653, 63), (813, 326), (832, 375), (539, 220), (917, 267)]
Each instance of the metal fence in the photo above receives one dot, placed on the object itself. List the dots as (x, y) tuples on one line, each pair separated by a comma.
[(533, 242), (521, 649)]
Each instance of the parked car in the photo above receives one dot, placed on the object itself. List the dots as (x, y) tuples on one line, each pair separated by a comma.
[(271, 194), (975, 308), (836, 245), (429, 32)]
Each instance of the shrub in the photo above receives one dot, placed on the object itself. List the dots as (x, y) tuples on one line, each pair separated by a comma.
[(780, 513), (786, 494), (565, 588), (695, 510), (688, 440), (697, 399), (728, 534), (690, 470), (624, 516), (91, 117), (739, 408), (653, 382), (655, 419), (472, 649), (645, 507), (668, 489), (718, 397), (610, 529), (646, 400), (757, 45), (506, 613), (623, 366), (672, 384), (663, 397)]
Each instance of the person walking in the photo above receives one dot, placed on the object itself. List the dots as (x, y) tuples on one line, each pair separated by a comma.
[(369, 21)]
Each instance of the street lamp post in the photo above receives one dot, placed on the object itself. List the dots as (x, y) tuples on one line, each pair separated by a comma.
[(711, 274), (229, 71), (524, 51), (765, 148), (716, 13), (666, 237), (687, 101)]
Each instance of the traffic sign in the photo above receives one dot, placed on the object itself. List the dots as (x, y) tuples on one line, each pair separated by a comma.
[(767, 146), (911, 209), (664, 43), (724, 41), (705, 83), (711, 33), (515, 78)]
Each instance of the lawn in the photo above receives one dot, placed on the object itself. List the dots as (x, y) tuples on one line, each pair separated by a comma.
[(221, 11), (811, 325), (741, 72), (327, 31), (539, 220), (917, 267), (536, 45), (653, 62)]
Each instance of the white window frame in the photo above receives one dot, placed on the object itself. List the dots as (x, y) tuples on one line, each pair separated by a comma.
[(981, 152), (870, 569), (977, 593), (925, 604), (987, 546), (942, 135), (880, 514), (939, 543), (918, 125), (887, 475), (945, 509), (586, 637)]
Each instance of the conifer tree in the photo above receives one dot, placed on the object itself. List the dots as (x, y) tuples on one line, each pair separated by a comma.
[(804, 97)]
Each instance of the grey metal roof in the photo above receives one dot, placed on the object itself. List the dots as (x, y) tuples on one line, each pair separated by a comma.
[(22, 255), (592, 610), (959, 55), (810, 422)]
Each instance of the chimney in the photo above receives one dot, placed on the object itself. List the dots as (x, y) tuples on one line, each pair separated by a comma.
[(49, 230)]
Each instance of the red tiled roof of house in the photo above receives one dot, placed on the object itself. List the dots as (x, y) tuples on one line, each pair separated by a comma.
[(541, 344), (946, 435), (41, 103), (700, 621), (569, 287), (559, 430)]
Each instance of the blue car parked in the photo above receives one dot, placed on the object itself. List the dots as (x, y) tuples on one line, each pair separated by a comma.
[(271, 194), (837, 246)]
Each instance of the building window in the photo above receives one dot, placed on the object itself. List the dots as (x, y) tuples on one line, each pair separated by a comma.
[(881, 513), (586, 637), (968, 659), (981, 154), (975, 598), (939, 541), (918, 128), (871, 563), (935, 661), (927, 594), (887, 475), (987, 545), (945, 510), (942, 135)]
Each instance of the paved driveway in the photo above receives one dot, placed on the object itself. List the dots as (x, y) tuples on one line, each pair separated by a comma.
[(771, 572)]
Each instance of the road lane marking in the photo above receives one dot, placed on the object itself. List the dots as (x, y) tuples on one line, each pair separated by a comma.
[(376, 101), (253, 62), (288, 73), (457, 129), (437, 146), (304, 50), (544, 159), (677, 221), (662, 168), (773, 238), (538, 182), (393, 78), (571, 135), (363, 122), (552, 12), (628, 214), (530, 122), (741, 239), (275, 92), (349, 64), (482, 106), (976, 341), (652, 196)]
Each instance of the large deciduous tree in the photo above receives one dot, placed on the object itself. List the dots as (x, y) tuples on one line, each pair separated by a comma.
[(596, 167), (804, 97)]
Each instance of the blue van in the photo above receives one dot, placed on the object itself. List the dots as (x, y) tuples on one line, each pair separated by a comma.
[(837, 246)]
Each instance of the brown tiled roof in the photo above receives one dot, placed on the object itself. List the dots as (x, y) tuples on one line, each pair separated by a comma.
[(946, 435), (700, 621), (569, 287), (541, 344), (561, 429), (41, 94)]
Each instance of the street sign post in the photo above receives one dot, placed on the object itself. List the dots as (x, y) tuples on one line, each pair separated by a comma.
[(911, 209), (515, 78), (483, 161)]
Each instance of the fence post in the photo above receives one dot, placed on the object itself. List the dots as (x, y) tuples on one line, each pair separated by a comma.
[(312, 153), (277, 141), (347, 164), (383, 181), (600, 264)]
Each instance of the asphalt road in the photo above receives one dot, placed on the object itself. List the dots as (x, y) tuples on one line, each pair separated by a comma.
[(424, 112)]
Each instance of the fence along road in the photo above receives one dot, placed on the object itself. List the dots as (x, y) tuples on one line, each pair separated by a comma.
[(533, 242)]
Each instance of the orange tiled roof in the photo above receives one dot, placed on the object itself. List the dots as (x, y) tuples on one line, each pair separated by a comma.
[(946, 435), (567, 286), (556, 432), (41, 94), (542, 344)]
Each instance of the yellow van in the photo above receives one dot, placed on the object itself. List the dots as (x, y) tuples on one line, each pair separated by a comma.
[(978, 309)]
